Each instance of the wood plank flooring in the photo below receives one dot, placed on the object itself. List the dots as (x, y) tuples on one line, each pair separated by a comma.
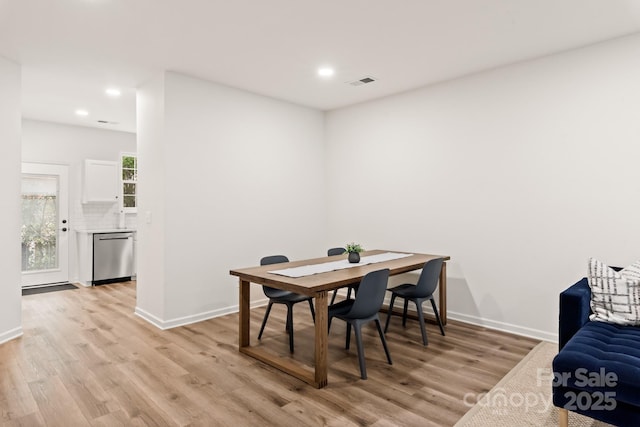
[(86, 360)]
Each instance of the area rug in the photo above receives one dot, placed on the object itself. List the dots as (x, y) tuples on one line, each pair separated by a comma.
[(45, 289), (522, 397)]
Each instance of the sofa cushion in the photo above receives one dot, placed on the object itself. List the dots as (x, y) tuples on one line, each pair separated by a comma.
[(602, 357), (615, 296)]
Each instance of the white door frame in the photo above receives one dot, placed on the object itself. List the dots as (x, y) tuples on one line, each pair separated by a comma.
[(60, 274)]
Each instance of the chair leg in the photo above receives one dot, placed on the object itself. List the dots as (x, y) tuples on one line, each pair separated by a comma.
[(404, 313), (264, 321), (287, 325), (348, 292), (363, 368), (313, 312), (393, 300), (421, 320), (333, 298), (435, 311), (384, 341), (348, 336), (290, 323)]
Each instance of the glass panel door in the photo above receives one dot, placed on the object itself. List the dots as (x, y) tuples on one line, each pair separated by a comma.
[(44, 224)]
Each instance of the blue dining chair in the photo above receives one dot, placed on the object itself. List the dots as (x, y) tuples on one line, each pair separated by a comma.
[(363, 309), (288, 298), (418, 293)]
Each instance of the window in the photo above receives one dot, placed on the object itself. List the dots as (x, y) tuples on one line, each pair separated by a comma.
[(129, 166)]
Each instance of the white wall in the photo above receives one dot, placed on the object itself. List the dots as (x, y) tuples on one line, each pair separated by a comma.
[(10, 306), (44, 142), (519, 174), (242, 178), (151, 293)]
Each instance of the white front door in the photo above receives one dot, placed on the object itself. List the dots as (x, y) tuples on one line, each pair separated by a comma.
[(45, 224)]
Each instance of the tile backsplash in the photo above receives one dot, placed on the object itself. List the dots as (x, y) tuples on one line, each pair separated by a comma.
[(90, 216)]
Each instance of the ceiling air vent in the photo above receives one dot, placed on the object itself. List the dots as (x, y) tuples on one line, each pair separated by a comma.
[(362, 81)]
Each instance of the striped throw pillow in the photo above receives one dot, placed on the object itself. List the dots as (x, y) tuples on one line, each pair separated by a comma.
[(615, 295)]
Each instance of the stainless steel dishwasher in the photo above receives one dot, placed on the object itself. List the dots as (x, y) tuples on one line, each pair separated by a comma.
[(112, 257)]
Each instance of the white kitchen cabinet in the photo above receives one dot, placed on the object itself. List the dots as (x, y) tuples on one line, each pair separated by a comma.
[(85, 257), (101, 181)]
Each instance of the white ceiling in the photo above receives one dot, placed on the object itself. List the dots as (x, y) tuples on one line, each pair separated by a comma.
[(71, 50)]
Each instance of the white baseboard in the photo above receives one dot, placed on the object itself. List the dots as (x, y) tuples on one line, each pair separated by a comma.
[(155, 321), (474, 320), (504, 327), (487, 323), (187, 320), (12, 334)]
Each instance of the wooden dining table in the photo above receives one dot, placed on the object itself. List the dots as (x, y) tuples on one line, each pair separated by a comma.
[(318, 286)]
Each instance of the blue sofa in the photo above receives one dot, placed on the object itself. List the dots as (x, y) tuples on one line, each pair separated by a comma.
[(597, 370)]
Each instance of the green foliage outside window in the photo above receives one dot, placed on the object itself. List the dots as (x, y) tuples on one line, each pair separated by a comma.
[(129, 181), (39, 232)]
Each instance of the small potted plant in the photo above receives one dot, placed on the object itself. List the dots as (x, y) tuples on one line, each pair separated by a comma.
[(354, 249)]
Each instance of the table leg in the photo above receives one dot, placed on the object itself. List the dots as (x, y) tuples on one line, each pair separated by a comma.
[(245, 294), (322, 339), (443, 293), (318, 378)]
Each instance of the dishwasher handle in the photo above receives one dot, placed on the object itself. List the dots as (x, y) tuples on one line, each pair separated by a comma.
[(114, 238)]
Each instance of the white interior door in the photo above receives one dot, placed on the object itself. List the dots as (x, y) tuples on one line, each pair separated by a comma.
[(45, 225)]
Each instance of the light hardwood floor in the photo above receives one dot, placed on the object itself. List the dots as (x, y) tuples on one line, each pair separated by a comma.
[(86, 359)]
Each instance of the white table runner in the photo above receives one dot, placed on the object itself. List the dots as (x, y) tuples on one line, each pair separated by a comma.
[(308, 270)]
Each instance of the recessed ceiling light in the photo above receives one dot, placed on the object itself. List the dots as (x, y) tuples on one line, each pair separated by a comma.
[(326, 72), (82, 113), (112, 91)]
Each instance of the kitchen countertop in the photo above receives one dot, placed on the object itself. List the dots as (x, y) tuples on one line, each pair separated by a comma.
[(107, 230)]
